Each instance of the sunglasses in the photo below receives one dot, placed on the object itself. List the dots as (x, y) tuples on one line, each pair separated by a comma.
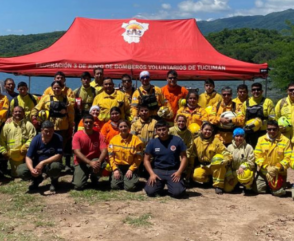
[(128, 80), (291, 90), (272, 129), (145, 77), (253, 90), (172, 78), (226, 94)]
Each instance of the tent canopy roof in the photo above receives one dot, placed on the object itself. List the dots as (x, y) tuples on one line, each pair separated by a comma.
[(128, 46)]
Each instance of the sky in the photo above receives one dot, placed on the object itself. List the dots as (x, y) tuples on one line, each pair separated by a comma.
[(41, 16)]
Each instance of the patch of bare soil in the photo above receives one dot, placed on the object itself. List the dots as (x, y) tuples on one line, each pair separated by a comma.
[(203, 216)]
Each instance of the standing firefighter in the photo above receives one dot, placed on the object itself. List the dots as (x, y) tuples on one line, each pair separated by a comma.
[(149, 95), (210, 96), (285, 114), (272, 156), (257, 108), (226, 115)]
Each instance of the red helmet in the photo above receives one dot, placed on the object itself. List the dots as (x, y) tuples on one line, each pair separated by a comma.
[(277, 183)]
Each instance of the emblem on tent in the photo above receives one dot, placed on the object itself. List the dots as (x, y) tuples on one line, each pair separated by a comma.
[(134, 31)]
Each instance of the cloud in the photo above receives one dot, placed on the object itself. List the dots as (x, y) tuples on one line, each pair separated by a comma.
[(166, 6), (263, 7), (14, 30), (204, 6)]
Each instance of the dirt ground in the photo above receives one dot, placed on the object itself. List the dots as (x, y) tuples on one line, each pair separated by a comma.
[(202, 216)]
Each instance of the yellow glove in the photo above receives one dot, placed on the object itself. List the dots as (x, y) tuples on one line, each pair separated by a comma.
[(273, 171), (24, 149), (269, 177), (227, 160)]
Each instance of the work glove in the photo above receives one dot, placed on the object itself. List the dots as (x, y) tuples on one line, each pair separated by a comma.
[(227, 160), (24, 149), (269, 178), (272, 171)]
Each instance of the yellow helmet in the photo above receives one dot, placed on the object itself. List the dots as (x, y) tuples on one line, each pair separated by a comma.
[(15, 155), (194, 128), (182, 102), (43, 115), (208, 109), (284, 124), (217, 159), (253, 124), (164, 112), (245, 177)]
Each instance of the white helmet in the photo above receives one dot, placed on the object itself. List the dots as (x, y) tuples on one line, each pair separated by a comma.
[(230, 115)]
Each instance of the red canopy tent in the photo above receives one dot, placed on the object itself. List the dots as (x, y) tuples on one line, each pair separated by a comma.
[(130, 46)]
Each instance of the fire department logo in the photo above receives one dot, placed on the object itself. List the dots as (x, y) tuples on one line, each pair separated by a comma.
[(173, 148), (134, 31)]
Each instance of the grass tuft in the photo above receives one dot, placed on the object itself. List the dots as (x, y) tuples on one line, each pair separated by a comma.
[(141, 221)]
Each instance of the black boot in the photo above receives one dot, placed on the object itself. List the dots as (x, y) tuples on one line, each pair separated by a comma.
[(35, 183)]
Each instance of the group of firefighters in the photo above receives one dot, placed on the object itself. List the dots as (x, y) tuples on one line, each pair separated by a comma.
[(228, 143)]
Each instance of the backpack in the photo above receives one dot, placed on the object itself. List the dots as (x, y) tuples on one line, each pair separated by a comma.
[(31, 97)]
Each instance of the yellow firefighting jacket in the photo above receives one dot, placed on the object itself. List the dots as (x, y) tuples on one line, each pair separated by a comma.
[(198, 115), (242, 154), (87, 95), (137, 98), (14, 135), (145, 130), (25, 102), (125, 151), (116, 99), (65, 91), (206, 100), (99, 88), (268, 109), (63, 123), (205, 149), (270, 153), (285, 107), (186, 136), (4, 105), (214, 118), (239, 103)]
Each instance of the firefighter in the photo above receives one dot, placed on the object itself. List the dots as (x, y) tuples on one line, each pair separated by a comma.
[(173, 93), (212, 158), (61, 113), (193, 112), (285, 108), (110, 97), (226, 122), (97, 83), (147, 94), (180, 129), (16, 137), (258, 106), (26, 100), (125, 156), (84, 95), (242, 167), (66, 91), (127, 86), (242, 95), (272, 156), (210, 96)]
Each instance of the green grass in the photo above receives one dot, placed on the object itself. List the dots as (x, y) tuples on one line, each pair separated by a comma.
[(42, 223), (7, 232), (91, 196), (141, 221)]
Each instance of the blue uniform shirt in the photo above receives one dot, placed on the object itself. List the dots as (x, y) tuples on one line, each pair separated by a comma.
[(38, 151), (166, 154)]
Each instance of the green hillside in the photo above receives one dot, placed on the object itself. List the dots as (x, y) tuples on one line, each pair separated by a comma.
[(272, 21)]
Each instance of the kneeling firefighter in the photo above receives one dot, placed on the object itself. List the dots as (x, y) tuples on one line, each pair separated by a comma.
[(242, 167), (212, 158)]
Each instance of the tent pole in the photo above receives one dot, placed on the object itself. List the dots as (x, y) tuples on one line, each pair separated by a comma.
[(29, 84), (266, 83)]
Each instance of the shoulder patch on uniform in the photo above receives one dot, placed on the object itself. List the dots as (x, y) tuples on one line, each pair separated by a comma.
[(135, 98)]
